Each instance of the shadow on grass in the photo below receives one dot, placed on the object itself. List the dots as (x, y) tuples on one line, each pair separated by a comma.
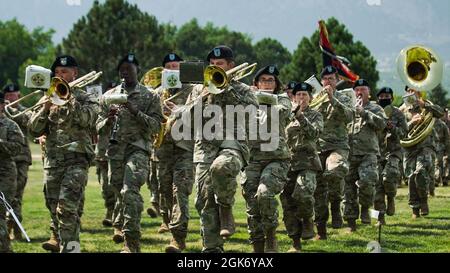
[(107, 231), (426, 226)]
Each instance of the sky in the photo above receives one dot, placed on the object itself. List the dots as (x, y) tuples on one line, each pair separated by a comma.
[(384, 26)]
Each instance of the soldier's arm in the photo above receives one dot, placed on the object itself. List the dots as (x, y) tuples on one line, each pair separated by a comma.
[(284, 107), (152, 117), (376, 119), (85, 112), (37, 124), (14, 142), (312, 128), (102, 119), (342, 110), (401, 129), (437, 111)]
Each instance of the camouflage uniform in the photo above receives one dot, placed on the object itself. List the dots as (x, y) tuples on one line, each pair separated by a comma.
[(297, 197), (218, 162), (390, 162), (11, 143), (175, 174), (334, 151), (364, 150), (23, 162), (418, 161), (442, 149), (128, 159), (265, 177), (68, 154)]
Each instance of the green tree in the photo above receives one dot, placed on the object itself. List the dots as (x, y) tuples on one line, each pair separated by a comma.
[(270, 51), (439, 96), (307, 58), (111, 30), (19, 45)]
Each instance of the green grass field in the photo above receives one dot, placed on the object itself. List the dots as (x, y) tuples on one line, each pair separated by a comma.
[(430, 234)]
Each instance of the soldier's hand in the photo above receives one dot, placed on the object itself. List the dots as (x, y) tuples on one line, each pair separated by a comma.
[(416, 119), (359, 109), (421, 103), (390, 125), (329, 91), (112, 113), (47, 105)]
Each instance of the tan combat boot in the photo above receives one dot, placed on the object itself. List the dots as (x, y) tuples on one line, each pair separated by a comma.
[(11, 230), (390, 206), (336, 215), (365, 216), (165, 224), (296, 245), (118, 236), (415, 213), (258, 247), (131, 246), (381, 220), (53, 244), (107, 222), (177, 244), (321, 232), (226, 221), (153, 212), (271, 244), (351, 225), (308, 229)]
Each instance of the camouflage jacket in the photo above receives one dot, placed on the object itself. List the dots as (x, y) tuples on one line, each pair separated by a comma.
[(135, 130), (22, 121), (236, 94), (302, 139), (11, 139), (336, 114), (168, 145), (442, 137), (365, 129), (67, 128), (437, 112), (390, 138)]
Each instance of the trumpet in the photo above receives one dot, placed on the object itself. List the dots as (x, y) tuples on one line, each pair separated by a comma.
[(59, 93)]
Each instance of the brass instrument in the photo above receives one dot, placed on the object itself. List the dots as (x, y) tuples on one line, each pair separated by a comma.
[(115, 127), (153, 77), (421, 69), (216, 79), (58, 93), (159, 138)]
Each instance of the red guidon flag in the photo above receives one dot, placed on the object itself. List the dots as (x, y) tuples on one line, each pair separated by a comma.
[(330, 57)]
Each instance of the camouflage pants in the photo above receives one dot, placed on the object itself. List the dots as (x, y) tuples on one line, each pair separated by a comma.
[(22, 178), (176, 177), (431, 185), (418, 170), (264, 180), (439, 168), (8, 180), (297, 200), (386, 185), (152, 182), (216, 186), (330, 182), (360, 184), (446, 171), (107, 189), (63, 190), (126, 177)]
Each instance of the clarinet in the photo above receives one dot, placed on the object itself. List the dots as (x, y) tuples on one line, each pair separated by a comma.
[(115, 128)]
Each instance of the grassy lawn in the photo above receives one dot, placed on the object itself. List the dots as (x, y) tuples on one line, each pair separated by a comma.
[(430, 234)]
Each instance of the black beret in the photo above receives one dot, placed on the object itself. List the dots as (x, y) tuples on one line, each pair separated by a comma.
[(361, 82), (291, 85), (302, 87), (268, 70), (12, 87), (328, 70), (385, 90), (64, 61), (2, 97), (220, 52), (171, 57), (129, 58)]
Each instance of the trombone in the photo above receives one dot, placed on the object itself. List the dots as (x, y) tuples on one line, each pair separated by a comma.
[(58, 93), (216, 79)]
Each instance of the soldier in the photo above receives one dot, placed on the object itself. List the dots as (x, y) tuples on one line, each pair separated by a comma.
[(218, 162), (369, 120), (266, 173), (333, 153), (131, 127), (390, 162), (68, 154), (446, 159), (11, 143), (175, 167), (288, 88), (297, 197), (23, 160), (442, 149), (418, 161)]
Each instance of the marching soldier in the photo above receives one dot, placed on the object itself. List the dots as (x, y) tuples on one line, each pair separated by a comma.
[(442, 149), (68, 154), (11, 143), (334, 150), (297, 197), (390, 162), (218, 162), (446, 159), (418, 162), (266, 173), (131, 126), (175, 167), (368, 122), (23, 160)]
